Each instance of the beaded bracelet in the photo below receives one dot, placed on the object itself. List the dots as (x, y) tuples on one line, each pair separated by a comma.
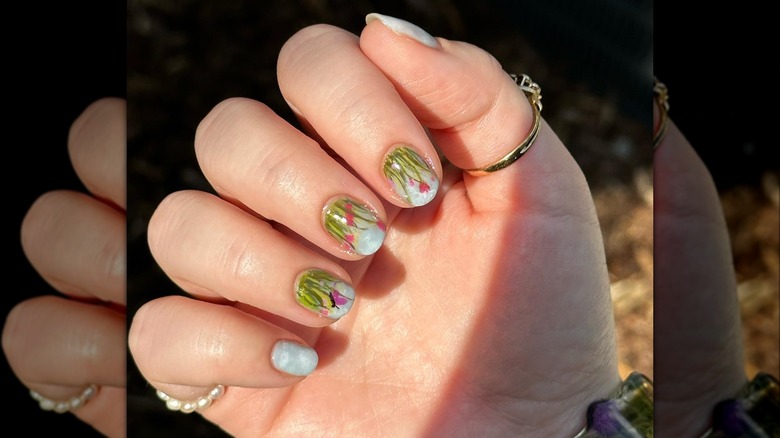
[(628, 412)]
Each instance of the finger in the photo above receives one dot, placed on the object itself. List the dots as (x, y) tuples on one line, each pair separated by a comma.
[(77, 244), (97, 147), (475, 113), (106, 412), (252, 156), (698, 343), (183, 346), (247, 261), (58, 347), (359, 114), (56, 341)]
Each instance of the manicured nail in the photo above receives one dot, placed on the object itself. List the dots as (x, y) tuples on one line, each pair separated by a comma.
[(324, 293), (294, 358), (405, 28), (410, 176), (354, 226)]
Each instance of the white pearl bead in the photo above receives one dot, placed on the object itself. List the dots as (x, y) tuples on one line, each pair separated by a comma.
[(217, 391), (46, 404), (188, 407), (173, 404), (76, 402), (61, 407), (163, 396), (89, 392), (204, 402)]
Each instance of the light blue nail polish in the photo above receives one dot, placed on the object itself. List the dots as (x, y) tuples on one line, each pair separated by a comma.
[(403, 27), (293, 358)]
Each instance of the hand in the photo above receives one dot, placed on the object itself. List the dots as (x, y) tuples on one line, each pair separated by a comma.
[(59, 345), (486, 310), (699, 357)]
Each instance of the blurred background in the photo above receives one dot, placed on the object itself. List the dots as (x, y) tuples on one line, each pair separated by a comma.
[(593, 61), (722, 98), (63, 57)]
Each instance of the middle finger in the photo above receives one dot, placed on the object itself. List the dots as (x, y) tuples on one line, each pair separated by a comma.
[(253, 157)]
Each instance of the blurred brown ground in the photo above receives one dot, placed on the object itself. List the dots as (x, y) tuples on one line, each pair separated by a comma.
[(752, 217)]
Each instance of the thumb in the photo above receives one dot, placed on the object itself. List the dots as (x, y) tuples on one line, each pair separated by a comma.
[(476, 114)]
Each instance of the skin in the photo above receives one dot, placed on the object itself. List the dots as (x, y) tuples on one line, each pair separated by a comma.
[(76, 241), (698, 351), (486, 311)]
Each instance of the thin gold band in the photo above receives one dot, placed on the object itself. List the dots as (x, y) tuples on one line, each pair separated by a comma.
[(661, 97), (534, 94)]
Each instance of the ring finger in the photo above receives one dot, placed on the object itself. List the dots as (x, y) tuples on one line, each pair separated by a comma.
[(247, 261), (77, 244)]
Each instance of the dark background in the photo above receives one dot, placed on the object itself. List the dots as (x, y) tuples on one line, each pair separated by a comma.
[(721, 87), (723, 97), (592, 61), (58, 60)]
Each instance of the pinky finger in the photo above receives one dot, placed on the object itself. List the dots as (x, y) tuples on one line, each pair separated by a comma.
[(58, 347), (185, 347)]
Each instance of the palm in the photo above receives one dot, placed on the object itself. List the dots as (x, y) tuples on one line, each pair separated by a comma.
[(506, 310)]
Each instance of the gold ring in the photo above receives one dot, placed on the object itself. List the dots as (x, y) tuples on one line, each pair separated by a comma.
[(661, 97), (534, 94)]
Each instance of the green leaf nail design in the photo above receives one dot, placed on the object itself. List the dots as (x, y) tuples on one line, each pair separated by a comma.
[(324, 293), (354, 226), (410, 176)]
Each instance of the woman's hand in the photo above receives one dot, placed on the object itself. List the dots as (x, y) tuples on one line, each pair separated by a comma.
[(699, 357), (59, 345), (485, 310)]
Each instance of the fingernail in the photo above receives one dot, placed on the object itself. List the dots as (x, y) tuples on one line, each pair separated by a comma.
[(354, 226), (405, 28), (293, 358), (324, 293), (410, 176)]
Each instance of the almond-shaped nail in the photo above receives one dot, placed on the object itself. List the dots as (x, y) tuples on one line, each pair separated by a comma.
[(405, 28), (293, 358), (355, 226), (323, 293), (410, 176)]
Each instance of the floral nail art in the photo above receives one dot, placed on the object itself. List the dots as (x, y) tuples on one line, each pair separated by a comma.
[(354, 226), (410, 176), (324, 293)]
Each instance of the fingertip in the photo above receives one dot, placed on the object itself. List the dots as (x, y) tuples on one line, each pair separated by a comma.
[(97, 148), (403, 28), (294, 359)]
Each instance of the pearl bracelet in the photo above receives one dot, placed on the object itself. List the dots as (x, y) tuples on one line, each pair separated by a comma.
[(188, 407), (63, 406)]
